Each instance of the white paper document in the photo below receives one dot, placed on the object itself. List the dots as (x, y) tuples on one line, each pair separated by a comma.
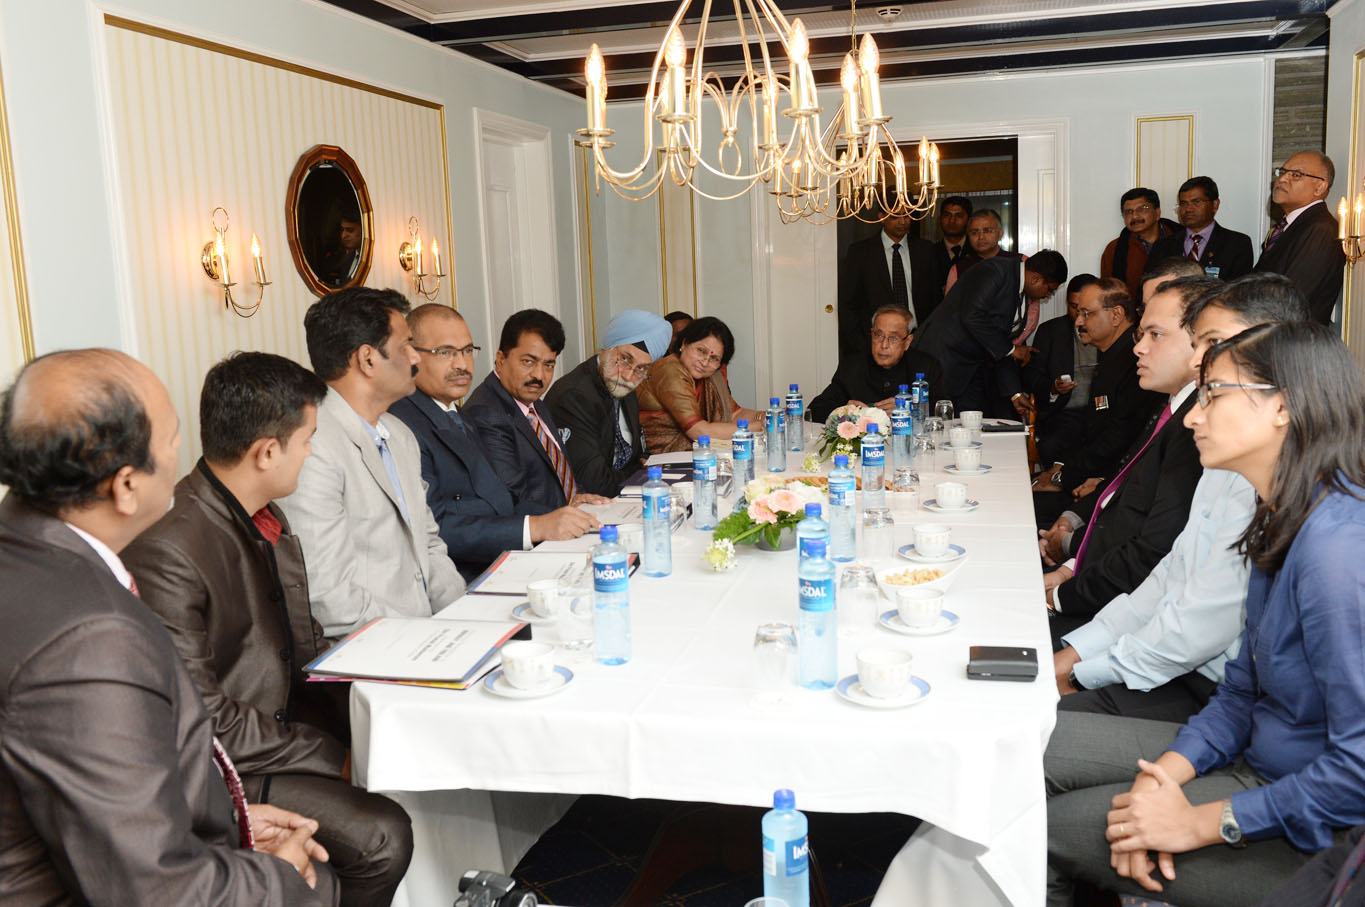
[(515, 570), (616, 512), (677, 458), (422, 649)]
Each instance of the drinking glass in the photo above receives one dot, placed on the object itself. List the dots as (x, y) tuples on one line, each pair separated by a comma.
[(859, 600), (944, 410), (879, 534), (905, 479), (575, 617), (775, 663), (925, 450)]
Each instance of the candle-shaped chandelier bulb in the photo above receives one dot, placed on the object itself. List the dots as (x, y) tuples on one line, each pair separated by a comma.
[(800, 49), (676, 54), (596, 74), (848, 79), (869, 58), (675, 81)]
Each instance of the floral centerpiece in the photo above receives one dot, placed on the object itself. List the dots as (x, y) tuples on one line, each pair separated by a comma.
[(846, 426), (768, 507)]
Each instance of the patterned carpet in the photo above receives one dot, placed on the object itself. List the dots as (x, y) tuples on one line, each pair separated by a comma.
[(591, 857)]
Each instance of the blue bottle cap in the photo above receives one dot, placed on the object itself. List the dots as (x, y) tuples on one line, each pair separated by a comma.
[(654, 472), (774, 401), (904, 388), (704, 440), (872, 429), (919, 375), (784, 799), (793, 388), (609, 534), (813, 510), (840, 460), (743, 423)]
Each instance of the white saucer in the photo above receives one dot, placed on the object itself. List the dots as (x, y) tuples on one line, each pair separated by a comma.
[(910, 554), (523, 612), (850, 689), (932, 505), (968, 472), (951, 446), (498, 685), (947, 620)]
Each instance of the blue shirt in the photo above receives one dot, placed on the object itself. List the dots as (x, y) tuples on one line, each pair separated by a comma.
[(1293, 700)]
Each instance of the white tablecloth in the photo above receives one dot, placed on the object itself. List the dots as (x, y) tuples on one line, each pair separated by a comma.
[(678, 721)]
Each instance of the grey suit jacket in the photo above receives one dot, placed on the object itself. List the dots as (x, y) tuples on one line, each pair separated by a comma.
[(363, 560), (108, 789)]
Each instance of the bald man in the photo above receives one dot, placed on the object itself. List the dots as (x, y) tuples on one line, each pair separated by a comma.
[(1303, 245), (113, 789), (477, 515)]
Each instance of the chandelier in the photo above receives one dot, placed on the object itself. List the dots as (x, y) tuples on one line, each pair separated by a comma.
[(850, 167)]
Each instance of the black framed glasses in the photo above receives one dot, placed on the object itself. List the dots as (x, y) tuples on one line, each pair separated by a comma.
[(446, 353), (1207, 388), (1295, 175)]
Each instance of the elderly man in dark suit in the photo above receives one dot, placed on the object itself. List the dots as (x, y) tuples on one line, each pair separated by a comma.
[(1303, 246), (521, 438), (974, 328), (477, 517), (595, 404), (1222, 253), (891, 268), (872, 379), (226, 576), (113, 789)]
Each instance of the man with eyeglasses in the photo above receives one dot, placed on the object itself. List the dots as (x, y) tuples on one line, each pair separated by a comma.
[(1126, 256), (476, 513), (872, 379), (1303, 245), (596, 403), (1222, 253)]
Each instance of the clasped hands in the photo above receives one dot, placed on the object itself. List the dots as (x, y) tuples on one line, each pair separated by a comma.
[(288, 836), (1155, 816)]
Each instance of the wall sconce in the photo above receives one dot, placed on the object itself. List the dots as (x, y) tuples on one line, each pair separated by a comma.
[(1349, 228), (214, 258), (410, 257)]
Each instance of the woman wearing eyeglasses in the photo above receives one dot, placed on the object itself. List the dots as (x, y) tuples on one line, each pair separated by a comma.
[(1273, 768), (687, 393)]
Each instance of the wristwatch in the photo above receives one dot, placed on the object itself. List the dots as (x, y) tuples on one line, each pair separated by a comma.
[(1228, 828), (1076, 684)]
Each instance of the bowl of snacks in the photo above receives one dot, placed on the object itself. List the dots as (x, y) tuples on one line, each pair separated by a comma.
[(935, 576)]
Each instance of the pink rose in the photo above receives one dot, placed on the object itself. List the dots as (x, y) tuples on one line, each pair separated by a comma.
[(849, 430), (784, 501), (759, 512), (863, 423)]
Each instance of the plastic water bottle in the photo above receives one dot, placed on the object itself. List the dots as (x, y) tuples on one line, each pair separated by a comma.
[(817, 633), (874, 469), (843, 511), (902, 433), (796, 411), (921, 401), (658, 553), (611, 599), (742, 452), (904, 397), (777, 435), (786, 866), (704, 483), (811, 529)]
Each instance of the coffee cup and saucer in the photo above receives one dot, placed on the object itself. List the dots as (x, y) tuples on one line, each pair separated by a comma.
[(967, 462), (883, 681), (951, 498), (919, 612), (528, 671), (542, 603)]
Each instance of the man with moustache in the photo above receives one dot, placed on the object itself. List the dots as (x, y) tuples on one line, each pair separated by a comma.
[(595, 404), (370, 543), (1126, 257), (985, 229), (473, 508), (1059, 372), (1303, 246), (1222, 253), (523, 442)]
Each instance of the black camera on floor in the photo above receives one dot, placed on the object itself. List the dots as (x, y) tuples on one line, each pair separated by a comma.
[(481, 888)]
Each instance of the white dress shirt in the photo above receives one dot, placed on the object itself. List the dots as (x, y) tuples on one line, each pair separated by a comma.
[(889, 245), (107, 555)]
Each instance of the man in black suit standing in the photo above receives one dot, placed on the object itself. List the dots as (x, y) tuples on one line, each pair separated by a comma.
[(953, 213), (520, 436), (1304, 245), (974, 328), (1223, 253), (891, 268), (477, 518)]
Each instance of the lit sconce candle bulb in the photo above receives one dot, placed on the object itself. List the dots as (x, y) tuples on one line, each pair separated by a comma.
[(220, 253), (436, 258), (869, 58), (597, 89), (257, 261), (923, 158), (420, 272), (848, 78), (1360, 206), (800, 48), (933, 161), (1341, 218)]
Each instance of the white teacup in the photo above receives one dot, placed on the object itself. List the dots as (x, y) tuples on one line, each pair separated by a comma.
[(959, 436), (931, 539), (967, 459), (918, 607), (951, 495), (884, 673), (543, 594), (971, 419), (528, 665)]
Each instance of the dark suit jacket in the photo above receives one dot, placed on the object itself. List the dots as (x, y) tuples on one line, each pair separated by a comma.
[(580, 404), (109, 793), (861, 378), (973, 329), (235, 605), (513, 448), (1054, 355), (477, 517), (1226, 250), (1313, 884), (943, 262), (865, 286), (1112, 420), (1140, 524), (1309, 254)]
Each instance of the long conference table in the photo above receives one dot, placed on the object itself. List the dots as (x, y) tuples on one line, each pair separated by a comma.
[(484, 776)]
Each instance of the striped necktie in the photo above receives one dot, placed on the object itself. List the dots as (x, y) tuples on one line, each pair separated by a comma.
[(557, 458), (1194, 247)]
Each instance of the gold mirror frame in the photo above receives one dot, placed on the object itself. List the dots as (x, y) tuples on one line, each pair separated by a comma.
[(335, 155)]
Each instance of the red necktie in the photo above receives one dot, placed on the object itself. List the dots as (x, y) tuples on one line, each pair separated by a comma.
[(1194, 247), (1116, 485), (557, 458)]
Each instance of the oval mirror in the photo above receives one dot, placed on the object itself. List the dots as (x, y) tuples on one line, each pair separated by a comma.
[(329, 220)]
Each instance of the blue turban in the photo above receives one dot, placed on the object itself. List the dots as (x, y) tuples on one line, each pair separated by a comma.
[(636, 326)]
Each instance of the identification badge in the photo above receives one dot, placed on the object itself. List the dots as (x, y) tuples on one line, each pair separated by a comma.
[(1101, 402), (1212, 270)]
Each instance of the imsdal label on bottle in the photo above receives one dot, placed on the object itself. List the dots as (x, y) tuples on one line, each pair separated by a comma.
[(841, 492), (609, 576), (816, 594), (743, 448), (704, 470), (797, 855), (900, 424), (874, 455), (656, 506)]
